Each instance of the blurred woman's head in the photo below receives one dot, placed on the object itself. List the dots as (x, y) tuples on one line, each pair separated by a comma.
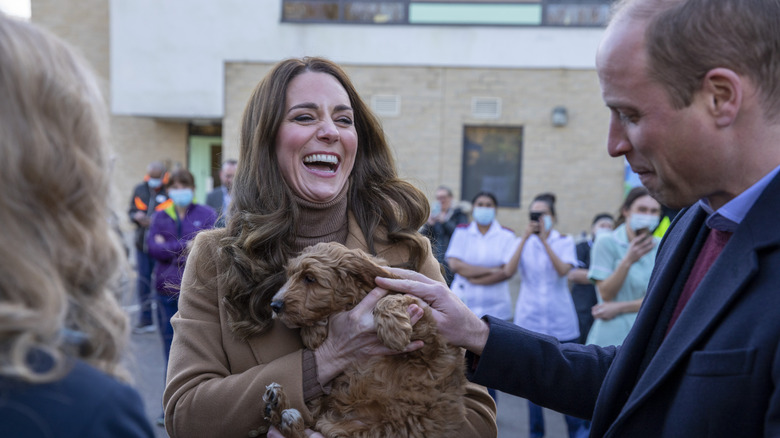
[(602, 222), (58, 255), (543, 208), (484, 211), (640, 211), (181, 188)]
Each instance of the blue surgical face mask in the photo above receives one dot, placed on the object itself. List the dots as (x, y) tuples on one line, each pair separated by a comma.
[(548, 222), (181, 197), (484, 215), (644, 221), (600, 231), (154, 182)]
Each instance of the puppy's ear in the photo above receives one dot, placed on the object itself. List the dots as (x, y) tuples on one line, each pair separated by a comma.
[(362, 268)]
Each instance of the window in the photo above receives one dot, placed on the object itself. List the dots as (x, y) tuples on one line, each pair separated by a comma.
[(344, 11), (449, 12), (492, 159)]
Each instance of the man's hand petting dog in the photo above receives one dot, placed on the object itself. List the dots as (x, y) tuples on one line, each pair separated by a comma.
[(459, 325), (352, 337)]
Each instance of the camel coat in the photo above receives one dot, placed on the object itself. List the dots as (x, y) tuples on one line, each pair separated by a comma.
[(216, 380)]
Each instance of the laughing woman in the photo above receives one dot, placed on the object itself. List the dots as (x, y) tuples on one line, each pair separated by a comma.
[(314, 167)]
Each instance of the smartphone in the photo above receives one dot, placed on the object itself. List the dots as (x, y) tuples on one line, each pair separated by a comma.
[(535, 216), (644, 232)]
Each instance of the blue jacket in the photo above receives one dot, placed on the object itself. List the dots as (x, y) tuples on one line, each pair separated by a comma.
[(178, 232), (84, 403), (715, 374)]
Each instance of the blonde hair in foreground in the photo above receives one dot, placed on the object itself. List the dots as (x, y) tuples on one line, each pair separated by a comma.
[(58, 255)]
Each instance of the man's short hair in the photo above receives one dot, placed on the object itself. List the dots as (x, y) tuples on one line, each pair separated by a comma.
[(687, 38)]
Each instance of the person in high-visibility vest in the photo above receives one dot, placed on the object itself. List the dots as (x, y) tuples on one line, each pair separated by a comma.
[(148, 196)]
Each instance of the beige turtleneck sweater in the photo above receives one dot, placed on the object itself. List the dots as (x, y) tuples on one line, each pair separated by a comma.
[(326, 222)]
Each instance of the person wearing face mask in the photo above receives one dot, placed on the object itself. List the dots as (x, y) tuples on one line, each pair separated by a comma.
[(621, 264), (148, 197), (544, 305), (171, 230), (583, 292), (477, 254)]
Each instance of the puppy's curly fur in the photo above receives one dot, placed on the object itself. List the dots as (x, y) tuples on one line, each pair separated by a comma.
[(415, 394)]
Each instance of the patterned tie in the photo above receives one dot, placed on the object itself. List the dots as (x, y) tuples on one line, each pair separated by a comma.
[(714, 244)]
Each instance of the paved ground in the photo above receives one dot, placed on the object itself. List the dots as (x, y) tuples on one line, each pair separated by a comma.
[(146, 364), (147, 368)]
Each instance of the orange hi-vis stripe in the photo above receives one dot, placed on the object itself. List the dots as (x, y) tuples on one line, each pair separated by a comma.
[(164, 205), (139, 204)]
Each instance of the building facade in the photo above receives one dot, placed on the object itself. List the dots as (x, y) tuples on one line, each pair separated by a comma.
[(498, 96)]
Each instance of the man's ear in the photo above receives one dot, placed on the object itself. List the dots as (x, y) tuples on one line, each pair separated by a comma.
[(724, 90)]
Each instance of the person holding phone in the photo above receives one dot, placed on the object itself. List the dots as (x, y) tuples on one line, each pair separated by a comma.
[(621, 264), (545, 257)]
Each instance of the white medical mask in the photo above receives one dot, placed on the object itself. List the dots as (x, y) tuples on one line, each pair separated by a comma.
[(484, 215), (548, 222), (644, 221), (154, 182), (181, 197), (602, 232)]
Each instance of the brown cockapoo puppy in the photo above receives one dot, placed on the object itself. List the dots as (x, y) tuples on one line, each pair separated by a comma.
[(415, 394)]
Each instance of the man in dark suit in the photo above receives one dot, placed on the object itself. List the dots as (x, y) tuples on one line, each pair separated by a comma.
[(694, 91), (219, 198)]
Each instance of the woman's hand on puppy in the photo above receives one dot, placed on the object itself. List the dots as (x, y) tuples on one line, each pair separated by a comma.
[(456, 322), (352, 338)]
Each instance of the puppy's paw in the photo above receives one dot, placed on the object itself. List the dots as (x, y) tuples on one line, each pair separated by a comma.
[(313, 336), (393, 326), (292, 425), (275, 402)]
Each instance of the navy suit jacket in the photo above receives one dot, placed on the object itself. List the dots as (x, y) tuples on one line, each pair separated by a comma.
[(85, 403), (717, 373)]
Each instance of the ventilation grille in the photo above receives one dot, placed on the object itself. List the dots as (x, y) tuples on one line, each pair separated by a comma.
[(386, 104), (486, 107)]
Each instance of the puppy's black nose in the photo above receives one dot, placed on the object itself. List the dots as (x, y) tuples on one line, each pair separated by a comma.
[(277, 306)]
